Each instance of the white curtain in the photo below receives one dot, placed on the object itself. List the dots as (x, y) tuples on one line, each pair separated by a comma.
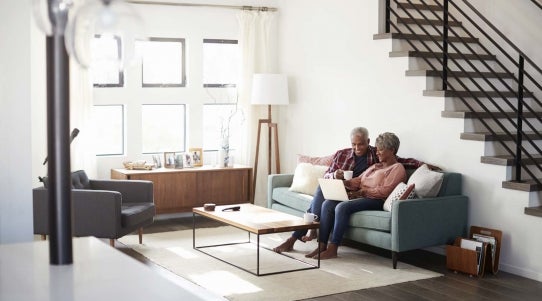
[(257, 54), (83, 155)]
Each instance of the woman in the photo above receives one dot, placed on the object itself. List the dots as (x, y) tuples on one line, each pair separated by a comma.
[(367, 192)]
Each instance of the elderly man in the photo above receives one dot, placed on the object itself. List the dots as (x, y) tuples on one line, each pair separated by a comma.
[(357, 159)]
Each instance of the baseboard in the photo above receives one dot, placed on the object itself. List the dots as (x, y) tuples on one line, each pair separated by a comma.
[(441, 250), (534, 275)]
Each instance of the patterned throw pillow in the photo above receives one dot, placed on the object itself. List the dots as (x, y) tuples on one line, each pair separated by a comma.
[(401, 192)]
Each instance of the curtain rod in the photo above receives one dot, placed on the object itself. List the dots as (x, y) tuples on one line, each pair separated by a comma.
[(258, 8)]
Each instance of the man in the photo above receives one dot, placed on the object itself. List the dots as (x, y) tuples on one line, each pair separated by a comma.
[(357, 159)]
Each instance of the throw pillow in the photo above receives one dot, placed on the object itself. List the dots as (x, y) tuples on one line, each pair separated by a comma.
[(401, 192), (326, 160), (427, 182), (306, 178)]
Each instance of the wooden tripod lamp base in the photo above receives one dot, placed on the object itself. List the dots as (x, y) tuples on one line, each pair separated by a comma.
[(268, 89)]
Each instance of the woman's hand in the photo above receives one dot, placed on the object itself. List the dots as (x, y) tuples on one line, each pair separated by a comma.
[(355, 194)]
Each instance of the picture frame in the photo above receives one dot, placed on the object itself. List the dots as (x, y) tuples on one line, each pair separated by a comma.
[(197, 156), (169, 160), (179, 160)]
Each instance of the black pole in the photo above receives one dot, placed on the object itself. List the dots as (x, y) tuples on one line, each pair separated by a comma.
[(58, 144), (387, 16), (445, 48), (520, 118)]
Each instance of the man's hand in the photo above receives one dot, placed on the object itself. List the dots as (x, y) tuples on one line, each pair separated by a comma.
[(339, 174), (433, 167)]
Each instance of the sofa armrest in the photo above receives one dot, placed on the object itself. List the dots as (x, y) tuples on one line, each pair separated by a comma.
[(95, 212), (133, 191), (277, 180), (426, 222)]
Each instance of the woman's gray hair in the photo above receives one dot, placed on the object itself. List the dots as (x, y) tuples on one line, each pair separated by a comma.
[(389, 141), (360, 131)]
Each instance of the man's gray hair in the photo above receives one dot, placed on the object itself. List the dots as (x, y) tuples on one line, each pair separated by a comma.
[(360, 131), (387, 141)]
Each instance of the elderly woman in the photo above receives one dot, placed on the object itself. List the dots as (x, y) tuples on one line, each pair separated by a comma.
[(366, 192)]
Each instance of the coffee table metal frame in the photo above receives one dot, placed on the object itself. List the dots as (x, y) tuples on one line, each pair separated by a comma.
[(258, 246)]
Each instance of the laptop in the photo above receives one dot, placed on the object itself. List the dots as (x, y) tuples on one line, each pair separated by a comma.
[(333, 189)]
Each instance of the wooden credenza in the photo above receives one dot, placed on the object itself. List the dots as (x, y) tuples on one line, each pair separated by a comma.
[(179, 190)]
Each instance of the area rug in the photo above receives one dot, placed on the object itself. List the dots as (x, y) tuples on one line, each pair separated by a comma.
[(352, 270)]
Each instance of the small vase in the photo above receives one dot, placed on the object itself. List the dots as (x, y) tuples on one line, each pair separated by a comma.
[(224, 153)]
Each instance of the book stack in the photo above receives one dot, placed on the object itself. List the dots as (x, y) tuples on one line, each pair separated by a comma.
[(476, 254)]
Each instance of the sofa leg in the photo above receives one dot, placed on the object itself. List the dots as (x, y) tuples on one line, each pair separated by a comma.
[(140, 233), (394, 256), (43, 237), (112, 242)]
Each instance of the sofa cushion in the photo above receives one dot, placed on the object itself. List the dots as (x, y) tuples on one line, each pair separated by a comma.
[(372, 219), (427, 182), (136, 213), (298, 201), (401, 192), (306, 178)]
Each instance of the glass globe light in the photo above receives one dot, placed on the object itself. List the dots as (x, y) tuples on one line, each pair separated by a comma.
[(105, 18)]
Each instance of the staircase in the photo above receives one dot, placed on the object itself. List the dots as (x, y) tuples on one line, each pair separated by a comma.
[(498, 91)]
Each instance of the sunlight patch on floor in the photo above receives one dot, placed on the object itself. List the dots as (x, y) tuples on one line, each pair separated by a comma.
[(225, 283)]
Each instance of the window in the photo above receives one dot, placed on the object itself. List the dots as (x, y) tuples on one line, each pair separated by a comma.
[(105, 67), (163, 62), (220, 63), (163, 128), (108, 123), (215, 118)]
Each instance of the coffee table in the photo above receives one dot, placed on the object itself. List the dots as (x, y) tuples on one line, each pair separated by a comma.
[(255, 220)]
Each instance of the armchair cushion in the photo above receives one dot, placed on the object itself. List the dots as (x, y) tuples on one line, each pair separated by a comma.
[(306, 178)]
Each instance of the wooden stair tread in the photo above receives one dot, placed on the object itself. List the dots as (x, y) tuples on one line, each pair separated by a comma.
[(527, 185), (486, 136), (508, 160), (536, 211), (428, 54), (426, 22), (437, 73), (418, 6), (451, 93), (396, 35), (470, 114)]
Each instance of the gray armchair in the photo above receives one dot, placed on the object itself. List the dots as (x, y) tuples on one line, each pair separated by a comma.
[(101, 208)]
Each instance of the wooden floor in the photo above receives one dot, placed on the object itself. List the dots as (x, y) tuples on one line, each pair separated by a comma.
[(451, 286)]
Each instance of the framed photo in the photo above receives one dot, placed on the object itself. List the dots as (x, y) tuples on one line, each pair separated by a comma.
[(197, 156), (169, 160), (179, 160)]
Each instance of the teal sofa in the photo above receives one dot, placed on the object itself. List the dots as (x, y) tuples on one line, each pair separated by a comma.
[(412, 224)]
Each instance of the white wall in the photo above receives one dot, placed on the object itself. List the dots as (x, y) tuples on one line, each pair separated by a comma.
[(15, 123), (341, 78)]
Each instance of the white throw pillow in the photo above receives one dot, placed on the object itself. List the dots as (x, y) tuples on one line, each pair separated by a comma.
[(401, 192), (306, 178), (427, 182)]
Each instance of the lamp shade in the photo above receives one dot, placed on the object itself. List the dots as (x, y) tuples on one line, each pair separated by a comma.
[(269, 89)]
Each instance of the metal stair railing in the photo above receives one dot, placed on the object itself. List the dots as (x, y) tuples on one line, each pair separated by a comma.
[(444, 58)]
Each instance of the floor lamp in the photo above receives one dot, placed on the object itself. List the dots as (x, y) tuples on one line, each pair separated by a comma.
[(268, 89)]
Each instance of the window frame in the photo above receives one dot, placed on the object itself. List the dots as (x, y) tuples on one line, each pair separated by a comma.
[(120, 83), (182, 84), (185, 121), (219, 41), (123, 130)]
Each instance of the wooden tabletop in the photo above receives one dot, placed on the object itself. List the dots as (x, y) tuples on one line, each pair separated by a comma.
[(256, 219)]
